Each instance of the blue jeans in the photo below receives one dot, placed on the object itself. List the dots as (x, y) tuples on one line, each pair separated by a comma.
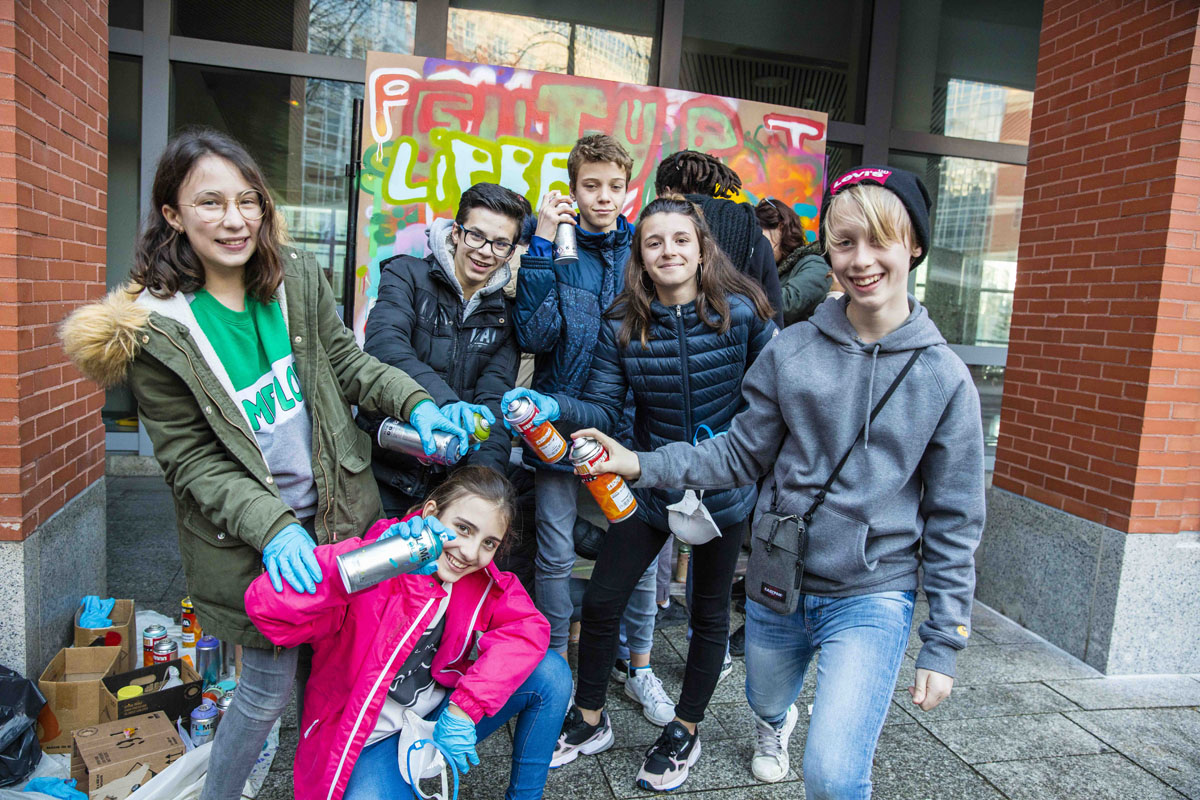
[(556, 494), (862, 641), (539, 704)]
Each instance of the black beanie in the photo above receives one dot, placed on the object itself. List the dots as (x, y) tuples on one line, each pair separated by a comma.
[(902, 183)]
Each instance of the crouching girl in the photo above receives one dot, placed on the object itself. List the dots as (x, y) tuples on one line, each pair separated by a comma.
[(457, 641)]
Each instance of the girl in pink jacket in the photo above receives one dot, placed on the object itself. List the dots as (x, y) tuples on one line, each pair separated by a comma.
[(458, 641)]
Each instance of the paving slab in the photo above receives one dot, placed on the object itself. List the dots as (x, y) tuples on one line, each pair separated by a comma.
[(911, 763), (581, 778), (1131, 691), (1016, 663), (989, 700), (1109, 776), (997, 628), (1010, 738), (723, 764), (1162, 741)]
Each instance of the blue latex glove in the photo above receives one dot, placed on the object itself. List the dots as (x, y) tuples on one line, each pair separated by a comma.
[(62, 788), (96, 612), (548, 410), (463, 414), (455, 736), (426, 418), (290, 556), (413, 528)]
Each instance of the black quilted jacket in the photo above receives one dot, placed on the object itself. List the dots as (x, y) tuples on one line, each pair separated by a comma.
[(417, 325), (688, 374)]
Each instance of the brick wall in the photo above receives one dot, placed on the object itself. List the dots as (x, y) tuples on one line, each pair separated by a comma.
[(1103, 380), (53, 179)]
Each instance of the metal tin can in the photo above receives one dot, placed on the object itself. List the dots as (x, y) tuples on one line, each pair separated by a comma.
[(483, 429), (385, 558), (565, 249), (545, 440), (164, 651), (204, 723), (611, 492), (403, 438), (223, 704), (208, 660), (152, 635), (187, 621)]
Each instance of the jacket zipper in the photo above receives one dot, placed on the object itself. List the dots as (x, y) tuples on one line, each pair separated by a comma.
[(331, 535), (204, 388), (683, 364), (379, 680)]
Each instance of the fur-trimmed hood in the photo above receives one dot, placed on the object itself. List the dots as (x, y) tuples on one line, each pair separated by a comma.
[(104, 337)]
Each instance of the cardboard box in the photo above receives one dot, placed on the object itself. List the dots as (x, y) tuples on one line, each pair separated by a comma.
[(111, 760), (175, 702), (71, 684), (123, 630)]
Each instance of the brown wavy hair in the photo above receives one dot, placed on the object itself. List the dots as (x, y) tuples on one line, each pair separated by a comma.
[(776, 215), (717, 278), (485, 483), (164, 261)]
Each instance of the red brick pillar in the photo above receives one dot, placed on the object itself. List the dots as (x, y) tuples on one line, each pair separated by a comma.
[(53, 182), (1102, 388)]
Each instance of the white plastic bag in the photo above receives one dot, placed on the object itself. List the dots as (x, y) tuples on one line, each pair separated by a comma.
[(183, 780), (690, 521)]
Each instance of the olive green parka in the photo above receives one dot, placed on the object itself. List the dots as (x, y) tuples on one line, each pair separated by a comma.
[(227, 505)]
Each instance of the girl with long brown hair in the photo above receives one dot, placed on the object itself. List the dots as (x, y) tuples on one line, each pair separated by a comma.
[(680, 336)]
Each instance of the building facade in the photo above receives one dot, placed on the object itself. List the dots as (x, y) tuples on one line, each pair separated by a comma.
[(996, 104)]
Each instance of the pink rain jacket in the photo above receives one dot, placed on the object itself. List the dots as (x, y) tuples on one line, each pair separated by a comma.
[(493, 640)]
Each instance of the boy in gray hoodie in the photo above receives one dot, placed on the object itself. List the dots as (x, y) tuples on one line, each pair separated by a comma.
[(908, 501)]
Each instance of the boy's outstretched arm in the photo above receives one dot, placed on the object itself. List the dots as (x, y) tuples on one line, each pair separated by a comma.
[(953, 509)]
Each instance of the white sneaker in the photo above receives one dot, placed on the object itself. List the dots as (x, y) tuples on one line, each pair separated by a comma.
[(644, 687), (726, 667), (770, 762)]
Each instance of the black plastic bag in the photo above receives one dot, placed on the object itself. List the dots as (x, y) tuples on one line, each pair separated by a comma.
[(20, 704)]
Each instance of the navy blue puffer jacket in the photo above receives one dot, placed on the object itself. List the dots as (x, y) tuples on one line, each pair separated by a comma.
[(686, 375)]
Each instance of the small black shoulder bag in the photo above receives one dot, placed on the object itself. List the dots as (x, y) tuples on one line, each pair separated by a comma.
[(779, 541)]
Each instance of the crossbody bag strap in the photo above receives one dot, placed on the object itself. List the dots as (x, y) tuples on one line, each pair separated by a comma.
[(820, 498)]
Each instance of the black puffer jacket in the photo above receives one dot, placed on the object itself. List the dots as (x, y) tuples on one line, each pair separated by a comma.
[(417, 325), (687, 375)]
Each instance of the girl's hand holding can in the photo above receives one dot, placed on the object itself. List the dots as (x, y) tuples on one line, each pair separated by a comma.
[(413, 529), (621, 460)]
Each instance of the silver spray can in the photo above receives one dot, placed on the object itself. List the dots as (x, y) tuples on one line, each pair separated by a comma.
[(403, 438), (565, 251), (385, 558)]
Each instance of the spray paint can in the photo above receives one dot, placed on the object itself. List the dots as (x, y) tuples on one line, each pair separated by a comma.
[(208, 660), (204, 723), (403, 438), (223, 704), (545, 440), (611, 492), (187, 621), (165, 651), (565, 249), (152, 635), (385, 558)]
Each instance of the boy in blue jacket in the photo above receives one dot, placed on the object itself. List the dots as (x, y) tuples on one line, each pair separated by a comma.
[(559, 309)]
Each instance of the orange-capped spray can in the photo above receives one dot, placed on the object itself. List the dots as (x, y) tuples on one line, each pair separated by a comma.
[(611, 492), (188, 623), (545, 440)]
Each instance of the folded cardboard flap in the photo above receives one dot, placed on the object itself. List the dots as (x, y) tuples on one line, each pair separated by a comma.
[(120, 756), (122, 633), (72, 688)]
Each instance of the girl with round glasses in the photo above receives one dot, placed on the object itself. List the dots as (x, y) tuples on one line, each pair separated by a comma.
[(243, 376)]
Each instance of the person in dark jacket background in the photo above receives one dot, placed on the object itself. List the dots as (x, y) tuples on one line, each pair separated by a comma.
[(804, 274), (445, 318), (680, 336), (708, 183)]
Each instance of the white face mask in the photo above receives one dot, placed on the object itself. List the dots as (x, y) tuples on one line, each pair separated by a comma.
[(419, 758), (690, 521)]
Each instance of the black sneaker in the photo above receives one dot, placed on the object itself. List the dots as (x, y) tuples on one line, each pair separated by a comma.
[(620, 671), (671, 616), (737, 642), (667, 761), (579, 737)]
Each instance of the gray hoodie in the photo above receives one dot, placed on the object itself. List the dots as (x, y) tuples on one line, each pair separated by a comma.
[(912, 492)]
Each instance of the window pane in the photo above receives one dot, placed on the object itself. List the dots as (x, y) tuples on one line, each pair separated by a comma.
[(125, 14), (798, 53), (297, 129), (967, 280), (989, 380), (578, 40), (346, 28), (966, 68)]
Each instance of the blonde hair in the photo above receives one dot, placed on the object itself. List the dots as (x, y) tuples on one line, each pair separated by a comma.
[(873, 209)]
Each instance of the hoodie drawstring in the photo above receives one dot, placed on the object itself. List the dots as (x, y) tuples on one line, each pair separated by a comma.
[(870, 391)]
